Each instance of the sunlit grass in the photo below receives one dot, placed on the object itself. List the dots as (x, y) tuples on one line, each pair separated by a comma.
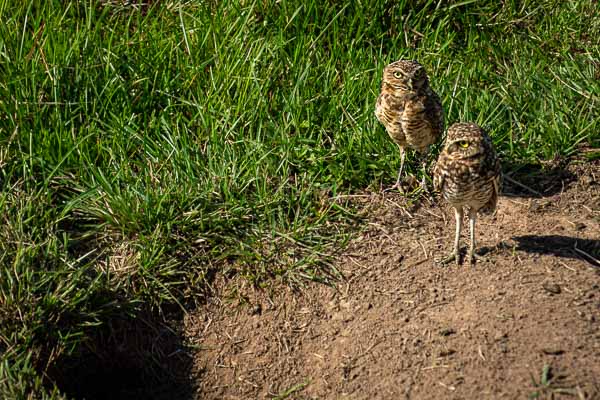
[(142, 150)]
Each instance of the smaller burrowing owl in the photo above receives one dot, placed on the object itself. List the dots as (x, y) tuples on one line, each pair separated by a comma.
[(409, 109), (467, 173)]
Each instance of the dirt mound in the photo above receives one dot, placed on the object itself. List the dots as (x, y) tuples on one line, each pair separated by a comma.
[(525, 323)]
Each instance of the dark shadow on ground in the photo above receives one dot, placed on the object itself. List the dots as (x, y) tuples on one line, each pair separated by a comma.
[(534, 180), (561, 246), (142, 357)]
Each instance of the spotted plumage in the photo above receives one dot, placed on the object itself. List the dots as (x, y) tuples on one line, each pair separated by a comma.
[(409, 109), (467, 174)]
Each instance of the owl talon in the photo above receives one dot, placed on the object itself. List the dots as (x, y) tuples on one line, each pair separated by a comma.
[(451, 257), (397, 186)]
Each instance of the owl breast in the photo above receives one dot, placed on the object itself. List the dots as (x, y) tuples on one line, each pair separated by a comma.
[(389, 110), (465, 185), (411, 120), (418, 130)]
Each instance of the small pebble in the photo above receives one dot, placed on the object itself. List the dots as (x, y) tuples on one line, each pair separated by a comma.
[(552, 288), (447, 332), (447, 352), (552, 351), (257, 309)]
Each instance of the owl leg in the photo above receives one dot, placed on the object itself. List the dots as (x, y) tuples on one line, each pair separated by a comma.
[(402, 157), (397, 185), (424, 167), (458, 214), (471, 255)]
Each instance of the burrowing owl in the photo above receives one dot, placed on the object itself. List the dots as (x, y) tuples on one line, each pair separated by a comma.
[(409, 109), (467, 173)]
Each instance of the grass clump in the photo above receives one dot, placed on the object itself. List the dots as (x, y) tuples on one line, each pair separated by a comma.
[(145, 148)]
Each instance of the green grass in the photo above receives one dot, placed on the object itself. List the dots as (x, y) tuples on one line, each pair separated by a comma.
[(143, 151), (551, 386)]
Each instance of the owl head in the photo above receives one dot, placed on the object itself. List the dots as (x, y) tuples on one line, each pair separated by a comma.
[(405, 76), (466, 140)]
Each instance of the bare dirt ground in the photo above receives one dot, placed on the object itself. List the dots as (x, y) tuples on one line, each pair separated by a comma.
[(400, 325)]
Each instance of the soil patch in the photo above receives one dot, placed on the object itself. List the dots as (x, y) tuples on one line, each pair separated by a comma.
[(524, 323)]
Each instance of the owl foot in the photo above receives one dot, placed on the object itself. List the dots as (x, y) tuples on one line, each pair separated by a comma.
[(397, 186), (451, 257)]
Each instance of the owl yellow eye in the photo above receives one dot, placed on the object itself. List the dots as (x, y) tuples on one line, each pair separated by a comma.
[(397, 75), (464, 144)]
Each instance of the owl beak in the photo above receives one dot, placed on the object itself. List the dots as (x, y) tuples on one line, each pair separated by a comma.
[(410, 84)]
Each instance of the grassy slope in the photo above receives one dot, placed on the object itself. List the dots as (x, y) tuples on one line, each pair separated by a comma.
[(142, 151)]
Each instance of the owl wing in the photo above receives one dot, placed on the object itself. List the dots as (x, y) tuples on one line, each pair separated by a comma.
[(387, 113), (378, 109)]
